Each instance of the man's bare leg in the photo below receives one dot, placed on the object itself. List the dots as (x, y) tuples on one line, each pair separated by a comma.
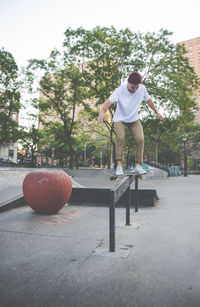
[(119, 162), (119, 170), (137, 163)]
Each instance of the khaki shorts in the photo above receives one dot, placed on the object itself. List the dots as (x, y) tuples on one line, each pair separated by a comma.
[(138, 134)]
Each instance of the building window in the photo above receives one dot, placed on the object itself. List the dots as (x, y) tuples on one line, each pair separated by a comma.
[(190, 42), (190, 53), (190, 47), (11, 153)]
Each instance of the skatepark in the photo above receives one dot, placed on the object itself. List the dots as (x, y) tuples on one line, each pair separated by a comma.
[(64, 259)]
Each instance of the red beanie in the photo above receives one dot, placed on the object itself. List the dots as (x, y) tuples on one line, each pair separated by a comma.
[(135, 78)]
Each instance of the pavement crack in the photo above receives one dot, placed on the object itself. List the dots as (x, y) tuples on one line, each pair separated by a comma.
[(90, 254), (36, 234)]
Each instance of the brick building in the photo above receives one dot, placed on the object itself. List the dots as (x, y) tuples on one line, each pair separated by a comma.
[(9, 150), (192, 47)]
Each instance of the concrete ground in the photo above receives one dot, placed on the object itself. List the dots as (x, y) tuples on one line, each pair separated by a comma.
[(63, 260), (11, 180)]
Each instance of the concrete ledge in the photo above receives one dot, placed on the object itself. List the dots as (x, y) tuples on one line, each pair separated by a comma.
[(98, 197), (18, 202), (93, 197)]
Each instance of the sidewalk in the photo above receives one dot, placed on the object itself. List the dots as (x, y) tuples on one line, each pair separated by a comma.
[(63, 260), (11, 180)]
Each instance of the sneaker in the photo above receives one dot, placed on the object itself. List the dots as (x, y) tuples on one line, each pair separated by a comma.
[(119, 171), (139, 169)]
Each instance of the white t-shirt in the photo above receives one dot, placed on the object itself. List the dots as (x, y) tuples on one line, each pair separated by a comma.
[(128, 103)]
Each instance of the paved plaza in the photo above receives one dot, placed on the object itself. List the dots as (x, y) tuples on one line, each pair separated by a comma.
[(64, 259)]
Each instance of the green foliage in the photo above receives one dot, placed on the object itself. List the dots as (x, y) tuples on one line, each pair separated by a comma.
[(104, 56), (30, 139), (163, 140), (93, 64), (8, 69), (53, 138), (9, 97), (61, 93), (107, 56), (167, 75)]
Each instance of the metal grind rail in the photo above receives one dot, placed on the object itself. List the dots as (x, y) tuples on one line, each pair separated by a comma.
[(114, 196)]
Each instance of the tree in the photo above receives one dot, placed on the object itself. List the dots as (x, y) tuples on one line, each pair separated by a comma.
[(9, 97), (162, 140), (192, 134), (167, 74), (61, 94), (108, 55), (91, 132), (171, 82), (30, 140), (95, 62), (52, 140), (103, 53)]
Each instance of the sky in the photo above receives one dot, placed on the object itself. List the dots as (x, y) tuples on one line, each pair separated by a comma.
[(33, 28)]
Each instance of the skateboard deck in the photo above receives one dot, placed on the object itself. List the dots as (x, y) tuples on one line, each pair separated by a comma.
[(118, 177)]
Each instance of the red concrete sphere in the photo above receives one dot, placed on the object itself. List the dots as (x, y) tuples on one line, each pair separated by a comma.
[(47, 192)]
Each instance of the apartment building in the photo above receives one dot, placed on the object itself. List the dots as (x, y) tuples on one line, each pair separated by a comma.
[(9, 150), (192, 47)]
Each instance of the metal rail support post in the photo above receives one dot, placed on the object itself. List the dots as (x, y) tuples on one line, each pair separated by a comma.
[(136, 194), (114, 196)]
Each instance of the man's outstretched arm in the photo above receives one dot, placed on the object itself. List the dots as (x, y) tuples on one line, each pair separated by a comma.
[(105, 106), (152, 106)]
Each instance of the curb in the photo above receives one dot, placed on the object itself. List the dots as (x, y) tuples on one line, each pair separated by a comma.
[(19, 202)]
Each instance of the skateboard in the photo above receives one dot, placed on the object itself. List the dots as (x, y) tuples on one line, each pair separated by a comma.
[(118, 177)]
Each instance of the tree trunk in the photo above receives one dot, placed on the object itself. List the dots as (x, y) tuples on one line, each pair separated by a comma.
[(32, 155), (156, 152), (71, 154), (76, 158), (71, 160)]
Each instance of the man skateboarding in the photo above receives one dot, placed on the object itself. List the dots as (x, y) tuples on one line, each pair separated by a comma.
[(129, 98)]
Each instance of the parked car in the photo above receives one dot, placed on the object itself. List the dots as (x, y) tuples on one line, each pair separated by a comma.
[(7, 162), (53, 164), (27, 162)]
